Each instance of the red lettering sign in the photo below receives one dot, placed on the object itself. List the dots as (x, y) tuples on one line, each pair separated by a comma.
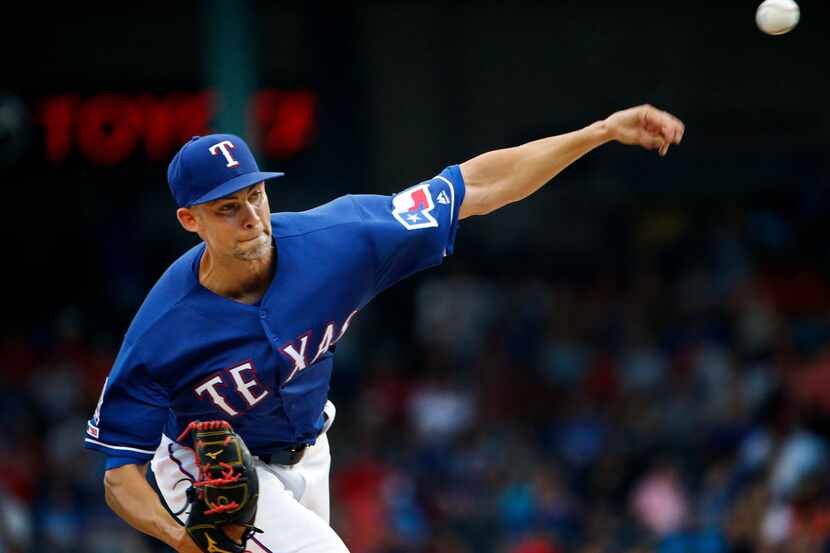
[(108, 129)]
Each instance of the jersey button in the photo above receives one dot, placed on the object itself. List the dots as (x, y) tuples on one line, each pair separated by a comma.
[(263, 314)]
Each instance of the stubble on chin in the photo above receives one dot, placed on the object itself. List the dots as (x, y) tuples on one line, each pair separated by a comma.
[(254, 251)]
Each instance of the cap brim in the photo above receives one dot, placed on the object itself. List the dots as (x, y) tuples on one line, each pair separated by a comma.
[(234, 185)]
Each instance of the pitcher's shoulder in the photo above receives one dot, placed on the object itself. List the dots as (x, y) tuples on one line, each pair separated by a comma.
[(175, 284), (326, 217)]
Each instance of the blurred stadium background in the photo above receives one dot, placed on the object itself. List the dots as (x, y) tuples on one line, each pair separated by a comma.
[(635, 359)]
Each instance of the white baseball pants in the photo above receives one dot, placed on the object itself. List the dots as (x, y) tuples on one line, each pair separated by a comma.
[(293, 508)]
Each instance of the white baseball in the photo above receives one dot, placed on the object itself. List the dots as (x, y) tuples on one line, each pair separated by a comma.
[(776, 17)]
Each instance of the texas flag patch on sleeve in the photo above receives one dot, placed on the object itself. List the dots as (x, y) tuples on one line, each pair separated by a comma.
[(413, 207)]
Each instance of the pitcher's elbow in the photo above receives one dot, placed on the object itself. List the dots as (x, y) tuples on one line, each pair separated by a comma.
[(109, 486)]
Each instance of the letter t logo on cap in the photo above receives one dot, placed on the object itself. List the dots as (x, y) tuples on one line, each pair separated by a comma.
[(223, 146)]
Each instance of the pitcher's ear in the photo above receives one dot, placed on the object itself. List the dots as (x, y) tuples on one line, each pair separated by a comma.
[(187, 219)]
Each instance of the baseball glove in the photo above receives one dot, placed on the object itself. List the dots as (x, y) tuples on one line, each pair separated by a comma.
[(226, 491)]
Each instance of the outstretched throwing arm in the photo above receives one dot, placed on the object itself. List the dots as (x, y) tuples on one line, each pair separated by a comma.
[(500, 177)]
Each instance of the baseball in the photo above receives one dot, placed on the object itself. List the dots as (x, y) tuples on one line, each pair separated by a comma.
[(776, 17)]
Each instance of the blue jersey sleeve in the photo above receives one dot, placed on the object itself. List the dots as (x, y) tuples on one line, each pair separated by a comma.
[(131, 412), (414, 229)]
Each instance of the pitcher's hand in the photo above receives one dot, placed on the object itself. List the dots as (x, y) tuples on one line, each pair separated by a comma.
[(647, 126)]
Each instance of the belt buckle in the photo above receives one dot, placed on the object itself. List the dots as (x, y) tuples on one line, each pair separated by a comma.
[(297, 452)]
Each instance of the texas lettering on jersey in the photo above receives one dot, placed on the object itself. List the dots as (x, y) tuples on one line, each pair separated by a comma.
[(297, 350), (243, 381), (250, 390)]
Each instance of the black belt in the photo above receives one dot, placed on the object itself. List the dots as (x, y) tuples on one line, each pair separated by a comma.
[(287, 456)]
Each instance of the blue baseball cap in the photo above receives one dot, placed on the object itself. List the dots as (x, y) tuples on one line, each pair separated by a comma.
[(209, 167)]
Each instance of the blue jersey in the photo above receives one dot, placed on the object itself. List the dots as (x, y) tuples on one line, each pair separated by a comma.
[(191, 354)]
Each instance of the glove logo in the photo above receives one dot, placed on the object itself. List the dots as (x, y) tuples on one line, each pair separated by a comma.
[(212, 547), (214, 454), (412, 208)]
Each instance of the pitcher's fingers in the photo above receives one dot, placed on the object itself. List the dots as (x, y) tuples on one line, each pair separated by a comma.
[(676, 126), (667, 123), (653, 142)]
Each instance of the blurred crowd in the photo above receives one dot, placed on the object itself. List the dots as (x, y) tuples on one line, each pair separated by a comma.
[(673, 399)]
